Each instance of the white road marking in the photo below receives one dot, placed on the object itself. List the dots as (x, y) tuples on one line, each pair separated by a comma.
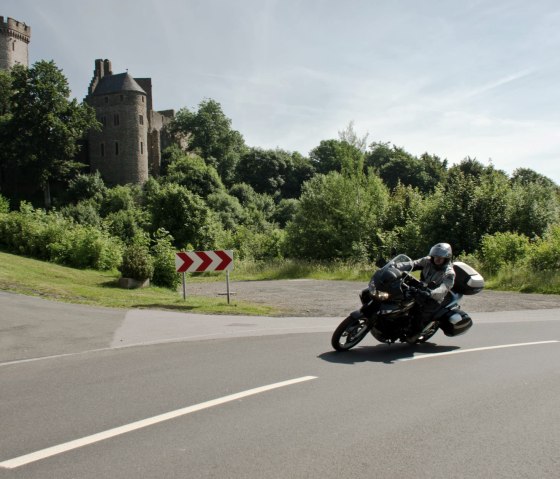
[(68, 446), (461, 351)]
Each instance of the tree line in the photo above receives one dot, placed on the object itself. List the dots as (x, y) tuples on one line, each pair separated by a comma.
[(349, 199)]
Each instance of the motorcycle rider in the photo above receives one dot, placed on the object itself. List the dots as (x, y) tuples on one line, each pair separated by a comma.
[(439, 276)]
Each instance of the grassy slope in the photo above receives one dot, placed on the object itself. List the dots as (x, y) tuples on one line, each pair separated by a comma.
[(55, 282)]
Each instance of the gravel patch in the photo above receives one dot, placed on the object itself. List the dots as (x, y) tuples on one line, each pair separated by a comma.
[(313, 298)]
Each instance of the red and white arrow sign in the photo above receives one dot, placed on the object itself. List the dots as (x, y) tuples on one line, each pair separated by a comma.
[(202, 261)]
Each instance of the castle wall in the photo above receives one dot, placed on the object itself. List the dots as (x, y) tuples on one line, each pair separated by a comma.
[(120, 150), (14, 40)]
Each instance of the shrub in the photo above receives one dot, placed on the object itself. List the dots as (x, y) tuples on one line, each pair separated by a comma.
[(85, 187), (502, 248), (84, 212), (87, 247), (545, 255), (163, 254), (4, 205), (137, 262), (257, 245)]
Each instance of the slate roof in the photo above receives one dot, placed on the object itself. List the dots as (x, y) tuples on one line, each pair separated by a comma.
[(117, 83)]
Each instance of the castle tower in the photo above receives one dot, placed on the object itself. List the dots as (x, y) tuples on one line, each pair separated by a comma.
[(120, 150), (14, 40)]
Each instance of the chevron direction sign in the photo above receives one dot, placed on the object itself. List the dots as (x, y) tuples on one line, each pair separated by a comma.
[(203, 261)]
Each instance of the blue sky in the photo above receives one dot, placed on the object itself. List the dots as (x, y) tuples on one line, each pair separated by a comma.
[(452, 78)]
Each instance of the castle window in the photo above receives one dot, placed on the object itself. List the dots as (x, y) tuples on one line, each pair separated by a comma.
[(116, 119), (142, 99), (104, 121), (106, 99), (116, 148), (141, 147), (141, 119), (102, 149), (122, 97)]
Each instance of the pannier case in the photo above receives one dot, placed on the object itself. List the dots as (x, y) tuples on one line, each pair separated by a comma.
[(455, 323), (467, 280)]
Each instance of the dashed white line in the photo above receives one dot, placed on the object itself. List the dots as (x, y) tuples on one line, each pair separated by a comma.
[(462, 351), (101, 436)]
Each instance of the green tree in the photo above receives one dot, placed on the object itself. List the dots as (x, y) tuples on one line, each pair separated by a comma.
[(533, 207), (500, 249), (208, 133), (465, 208), (228, 209), (44, 130), (85, 187), (338, 216), (394, 165), (5, 92), (184, 215), (525, 176), (402, 225), (335, 155), (300, 169), (190, 171), (264, 170)]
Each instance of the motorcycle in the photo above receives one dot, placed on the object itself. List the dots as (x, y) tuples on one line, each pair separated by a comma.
[(391, 300)]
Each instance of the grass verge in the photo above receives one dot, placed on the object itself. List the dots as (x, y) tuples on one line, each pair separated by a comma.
[(99, 288)]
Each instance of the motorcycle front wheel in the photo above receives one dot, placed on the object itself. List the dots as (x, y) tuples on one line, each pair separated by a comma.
[(349, 333)]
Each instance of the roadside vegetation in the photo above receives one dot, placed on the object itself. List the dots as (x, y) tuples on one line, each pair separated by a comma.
[(329, 215)]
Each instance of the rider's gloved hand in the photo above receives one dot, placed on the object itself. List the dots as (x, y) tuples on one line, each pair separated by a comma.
[(424, 293), (410, 292)]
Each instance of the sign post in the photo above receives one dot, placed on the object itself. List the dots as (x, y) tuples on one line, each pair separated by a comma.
[(203, 261)]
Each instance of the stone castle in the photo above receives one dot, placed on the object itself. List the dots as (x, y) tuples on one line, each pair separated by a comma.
[(14, 40), (128, 147)]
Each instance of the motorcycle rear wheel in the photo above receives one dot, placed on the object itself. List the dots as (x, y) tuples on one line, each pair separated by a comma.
[(349, 333)]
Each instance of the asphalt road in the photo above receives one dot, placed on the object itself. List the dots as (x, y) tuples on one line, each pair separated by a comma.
[(481, 405)]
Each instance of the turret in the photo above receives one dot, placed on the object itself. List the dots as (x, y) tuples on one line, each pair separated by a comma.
[(14, 40)]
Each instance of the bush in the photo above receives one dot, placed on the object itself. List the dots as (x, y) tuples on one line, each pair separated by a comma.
[(163, 254), (137, 262), (4, 205), (84, 212), (545, 255), (257, 245), (503, 248), (86, 187), (51, 236), (87, 247)]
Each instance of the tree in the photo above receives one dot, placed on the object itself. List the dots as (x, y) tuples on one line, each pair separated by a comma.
[(402, 225), (525, 176), (190, 171), (335, 155), (208, 133), (465, 208), (44, 130), (298, 172), (394, 165), (5, 92), (264, 170), (85, 187), (184, 215), (338, 216), (533, 207)]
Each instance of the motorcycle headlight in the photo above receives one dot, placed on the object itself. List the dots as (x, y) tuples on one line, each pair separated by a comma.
[(380, 295)]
